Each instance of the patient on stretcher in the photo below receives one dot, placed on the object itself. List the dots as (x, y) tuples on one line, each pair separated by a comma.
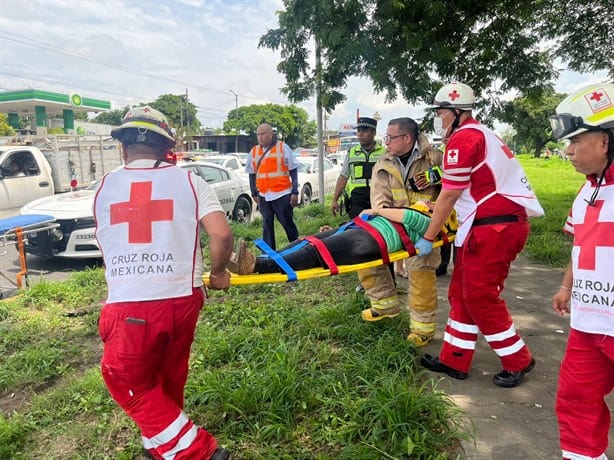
[(362, 240)]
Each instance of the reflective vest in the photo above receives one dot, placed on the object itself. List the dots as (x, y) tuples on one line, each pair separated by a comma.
[(361, 165), (272, 175)]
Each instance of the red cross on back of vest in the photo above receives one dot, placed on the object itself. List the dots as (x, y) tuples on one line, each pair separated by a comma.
[(141, 212), (592, 233)]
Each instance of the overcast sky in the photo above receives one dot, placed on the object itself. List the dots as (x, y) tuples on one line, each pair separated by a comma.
[(132, 51)]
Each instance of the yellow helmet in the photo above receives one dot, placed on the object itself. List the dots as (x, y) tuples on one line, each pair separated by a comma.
[(589, 108)]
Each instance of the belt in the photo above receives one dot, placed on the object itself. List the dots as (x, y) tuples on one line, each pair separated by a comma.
[(498, 219)]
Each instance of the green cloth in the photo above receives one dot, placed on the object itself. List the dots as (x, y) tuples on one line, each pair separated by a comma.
[(415, 224)]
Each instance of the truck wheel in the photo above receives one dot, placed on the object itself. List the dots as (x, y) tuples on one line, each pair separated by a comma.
[(306, 195), (243, 210)]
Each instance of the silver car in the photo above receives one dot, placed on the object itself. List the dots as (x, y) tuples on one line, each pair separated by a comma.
[(75, 238), (309, 178)]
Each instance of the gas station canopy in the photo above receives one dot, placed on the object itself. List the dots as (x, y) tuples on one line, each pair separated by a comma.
[(42, 104)]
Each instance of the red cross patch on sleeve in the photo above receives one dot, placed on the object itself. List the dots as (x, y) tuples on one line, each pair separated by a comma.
[(452, 156)]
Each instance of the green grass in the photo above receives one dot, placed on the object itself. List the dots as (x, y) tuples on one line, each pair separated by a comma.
[(282, 371), (556, 183)]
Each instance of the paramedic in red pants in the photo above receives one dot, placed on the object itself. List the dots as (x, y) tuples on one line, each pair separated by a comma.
[(148, 216), (489, 190), (586, 119)]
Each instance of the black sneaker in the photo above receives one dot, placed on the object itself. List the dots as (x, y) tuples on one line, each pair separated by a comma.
[(511, 379), (220, 454), (432, 363)]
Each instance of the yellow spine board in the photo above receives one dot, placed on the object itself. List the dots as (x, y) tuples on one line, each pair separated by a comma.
[(319, 272)]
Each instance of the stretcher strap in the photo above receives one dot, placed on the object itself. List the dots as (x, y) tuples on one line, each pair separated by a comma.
[(270, 252), (443, 236), (375, 234), (405, 239), (324, 253), (293, 248)]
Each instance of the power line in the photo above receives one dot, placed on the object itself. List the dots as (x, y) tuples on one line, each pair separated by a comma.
[(34, 44)]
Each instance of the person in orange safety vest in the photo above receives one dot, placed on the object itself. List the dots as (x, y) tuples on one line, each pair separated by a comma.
[(273, 180)]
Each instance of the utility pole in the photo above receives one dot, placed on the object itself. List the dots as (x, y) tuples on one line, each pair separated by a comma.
[(237, 113)]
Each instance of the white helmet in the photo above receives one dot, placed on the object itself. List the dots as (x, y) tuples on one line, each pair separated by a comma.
[(587, 109), (140, 123), (454, 95)]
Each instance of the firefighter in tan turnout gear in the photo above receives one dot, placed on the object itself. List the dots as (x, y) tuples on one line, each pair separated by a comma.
[(408, 172)]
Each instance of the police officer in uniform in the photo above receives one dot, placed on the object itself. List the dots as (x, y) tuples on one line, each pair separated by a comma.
[(356, 170)]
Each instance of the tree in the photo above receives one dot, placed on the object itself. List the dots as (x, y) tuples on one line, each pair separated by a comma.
[(180, 112), (5, 128), (529, 118), (290, 121), (583, 33), (338, 26), (112, 117), (409, 48)]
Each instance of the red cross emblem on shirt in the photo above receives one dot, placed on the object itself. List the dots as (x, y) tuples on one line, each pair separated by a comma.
[(141, 212), (592, 233), (454, 95), (596, 96)]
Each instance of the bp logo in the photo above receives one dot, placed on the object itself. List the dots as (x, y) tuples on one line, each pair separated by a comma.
[(75, 99)]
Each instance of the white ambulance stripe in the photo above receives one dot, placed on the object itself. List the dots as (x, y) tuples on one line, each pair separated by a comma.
[(572, 456), (460, 343), (463, 327), (185, 442), (167, 434), (456, 178), (510, 332), (509, 350)]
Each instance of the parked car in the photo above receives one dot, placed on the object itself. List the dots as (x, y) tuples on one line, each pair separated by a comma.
[(308, 178), (243, 156), (75, 238), (230, 161), (305, 152)]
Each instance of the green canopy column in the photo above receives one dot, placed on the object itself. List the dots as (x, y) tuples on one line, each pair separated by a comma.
[(41, 119), (14, 120), (69, 121)]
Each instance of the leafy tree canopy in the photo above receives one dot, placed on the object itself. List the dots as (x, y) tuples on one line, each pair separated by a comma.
[(290, 121), (340, 30), (180, 112), (112, 117), (409, 48), (529, 117), (5, 128)]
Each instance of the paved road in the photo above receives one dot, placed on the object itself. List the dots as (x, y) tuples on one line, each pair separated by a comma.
[(517, 423), (38, 268)]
